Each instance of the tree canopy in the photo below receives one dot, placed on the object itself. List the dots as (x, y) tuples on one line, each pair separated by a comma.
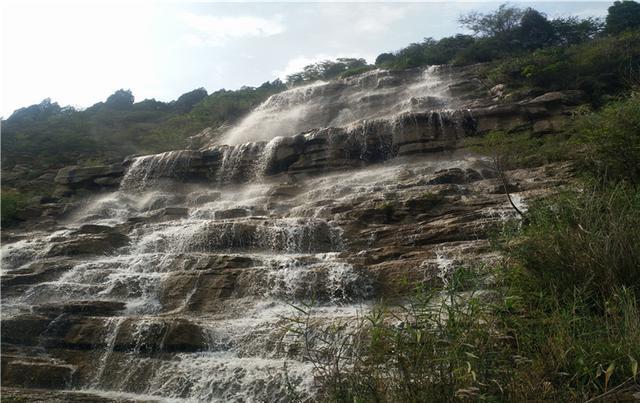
[(623, 16), (507, 31)]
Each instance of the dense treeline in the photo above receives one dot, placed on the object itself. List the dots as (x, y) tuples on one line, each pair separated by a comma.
[(511, 31), (524, 49), (110, 130)]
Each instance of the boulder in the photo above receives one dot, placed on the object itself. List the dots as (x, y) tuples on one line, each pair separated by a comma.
[(38, 374), (569, 97), (86, 308), (89, 244), (74, 175)]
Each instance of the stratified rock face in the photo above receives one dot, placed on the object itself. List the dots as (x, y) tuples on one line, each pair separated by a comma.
[(340, 125), (178, 284)]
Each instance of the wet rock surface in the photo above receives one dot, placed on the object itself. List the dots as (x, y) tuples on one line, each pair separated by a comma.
[(178, 285), (154, 300)]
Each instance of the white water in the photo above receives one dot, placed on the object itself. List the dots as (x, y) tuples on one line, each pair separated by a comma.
[(377, 94), (169, 271)]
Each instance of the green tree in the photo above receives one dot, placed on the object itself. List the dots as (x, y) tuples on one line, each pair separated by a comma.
[(187, 101), (623, 16), (384, 58), (573, 30), (499, 23), (121, 99), (535, 30)]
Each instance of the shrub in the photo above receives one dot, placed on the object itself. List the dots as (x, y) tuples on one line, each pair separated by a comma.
[(436, 348), (10, 204), (610, 141), (599, 67), (587, 241), (459, 344)]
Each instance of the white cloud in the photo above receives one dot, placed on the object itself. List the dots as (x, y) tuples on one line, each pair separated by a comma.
[(212, 30), (379, 19), (296, 64), (365, 18)]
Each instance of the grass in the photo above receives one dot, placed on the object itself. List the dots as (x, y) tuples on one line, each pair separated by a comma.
[(527, 337), (560, 318), (10, 205)]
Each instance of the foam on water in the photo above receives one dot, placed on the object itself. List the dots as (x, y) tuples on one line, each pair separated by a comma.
[(374, 95), (145, 170), (293, 255)]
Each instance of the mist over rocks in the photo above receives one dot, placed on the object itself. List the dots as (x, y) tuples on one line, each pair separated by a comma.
[(170, 276)]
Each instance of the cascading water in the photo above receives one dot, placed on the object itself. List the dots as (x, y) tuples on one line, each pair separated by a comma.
[(182, 289), (146, 169), (374, 95), (268, 262)]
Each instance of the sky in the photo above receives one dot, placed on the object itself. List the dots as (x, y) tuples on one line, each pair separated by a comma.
[(79, 52)]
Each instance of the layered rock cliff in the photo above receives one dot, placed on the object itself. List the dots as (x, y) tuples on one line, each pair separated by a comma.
[(172, 279)]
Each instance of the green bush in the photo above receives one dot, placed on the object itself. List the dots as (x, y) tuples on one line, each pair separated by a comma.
[(587, 241), (521, 150), (565, 350), (602, 66), (460, 344), (438, 347), (10, 204), (610, 141)]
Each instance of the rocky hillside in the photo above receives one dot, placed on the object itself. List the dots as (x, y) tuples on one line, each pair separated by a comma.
[(170, 276)]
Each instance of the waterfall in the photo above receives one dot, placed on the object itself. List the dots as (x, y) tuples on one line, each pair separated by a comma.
[(373, 95), (144, 170), (112, 326), (182, 279)]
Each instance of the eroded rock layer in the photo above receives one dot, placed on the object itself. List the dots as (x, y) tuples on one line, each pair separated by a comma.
[(178, 283)]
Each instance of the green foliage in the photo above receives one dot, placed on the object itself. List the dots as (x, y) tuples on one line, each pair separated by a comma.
[(565, 350), (623, 16), (10, 204), (459, 343), (120, 99), (501, 22), (599, 67), (504, 33), (355, 71), (522, 150), (585, 241), (107, 132), (610, 140), (436, 348), (327, 69), (535, 31)]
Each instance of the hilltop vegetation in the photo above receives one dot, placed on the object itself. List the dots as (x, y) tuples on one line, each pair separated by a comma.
[(110, 130), (520, 48)]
